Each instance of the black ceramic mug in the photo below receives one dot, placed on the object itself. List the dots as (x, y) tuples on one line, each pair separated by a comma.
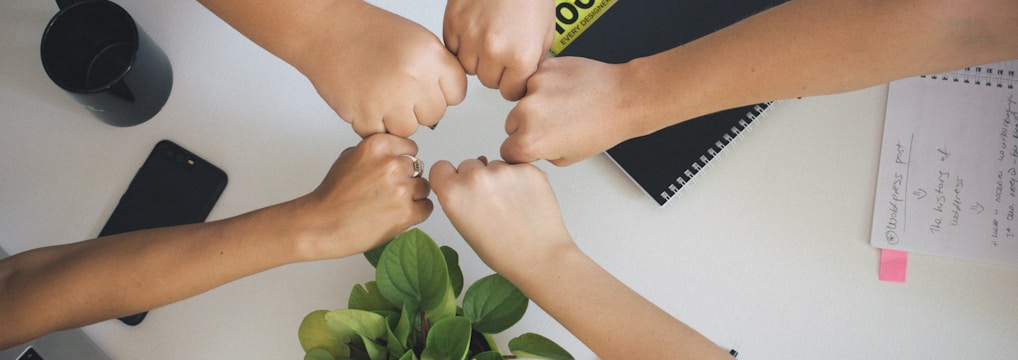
[(96, 52)]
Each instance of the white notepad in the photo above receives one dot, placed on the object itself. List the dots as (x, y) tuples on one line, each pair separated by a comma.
[(948, 178)]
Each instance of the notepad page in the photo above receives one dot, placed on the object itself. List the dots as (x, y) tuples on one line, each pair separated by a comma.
[(948, 177)]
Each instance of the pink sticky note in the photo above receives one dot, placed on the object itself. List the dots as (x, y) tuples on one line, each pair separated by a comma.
[(892, 265)]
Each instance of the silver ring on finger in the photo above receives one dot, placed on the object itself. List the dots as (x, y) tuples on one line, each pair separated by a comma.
[(418, 166)]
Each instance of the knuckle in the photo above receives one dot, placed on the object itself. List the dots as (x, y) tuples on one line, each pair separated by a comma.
[(528, 145), (400, 192), (392, 167), (402, 128), (495, 46), (523, 60), (374, 144), (430, 111), (511, 92)]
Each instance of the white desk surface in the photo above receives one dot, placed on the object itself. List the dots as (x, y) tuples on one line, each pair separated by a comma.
[(768, 252)]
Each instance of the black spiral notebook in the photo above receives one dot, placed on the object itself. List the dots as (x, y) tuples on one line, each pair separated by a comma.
[(663, 162)]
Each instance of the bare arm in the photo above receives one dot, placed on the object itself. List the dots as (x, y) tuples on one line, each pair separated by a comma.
[(77, 284), (800, 48), (509, 216), (571, 287), (817, 47), (378, 71)]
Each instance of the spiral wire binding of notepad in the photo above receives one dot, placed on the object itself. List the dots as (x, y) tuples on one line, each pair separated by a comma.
[(1001, 75), (744, 125)]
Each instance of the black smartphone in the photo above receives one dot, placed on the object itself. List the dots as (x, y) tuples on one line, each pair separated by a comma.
[(173, 187)]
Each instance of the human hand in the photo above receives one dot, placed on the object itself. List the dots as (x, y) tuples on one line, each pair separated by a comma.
[(383, 73), (500, 41), (507, 213), (574, 109), (367, 198)]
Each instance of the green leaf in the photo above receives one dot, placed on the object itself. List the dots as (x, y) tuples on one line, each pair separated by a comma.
[(374, 254), (318, 354), (315, 334), (412, 268), (494, 304), (398, 326), (350, 323), (368, 298), (448, 340), (409, 355), (535, 346), (405, 324), (452, 260), (375, 350), (489, 355)]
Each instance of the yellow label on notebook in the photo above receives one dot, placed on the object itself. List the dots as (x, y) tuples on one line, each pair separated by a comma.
[(574, 16)]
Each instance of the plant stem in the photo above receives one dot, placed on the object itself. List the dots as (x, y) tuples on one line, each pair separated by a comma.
[(424, 326), (358, 350)]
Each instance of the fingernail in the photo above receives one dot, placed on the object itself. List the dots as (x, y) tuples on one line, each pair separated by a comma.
[(432, 127)]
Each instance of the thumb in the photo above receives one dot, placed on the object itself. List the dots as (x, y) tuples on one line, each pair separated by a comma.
[(515, 150), (453, 80), (440, 175)]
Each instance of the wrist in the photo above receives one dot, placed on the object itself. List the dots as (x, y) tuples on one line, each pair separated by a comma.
[(664, 91), (639, 89), (335, 25), (536, 267), (291, 226)]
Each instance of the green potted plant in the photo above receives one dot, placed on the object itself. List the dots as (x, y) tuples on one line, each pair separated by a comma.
[(410, 312)]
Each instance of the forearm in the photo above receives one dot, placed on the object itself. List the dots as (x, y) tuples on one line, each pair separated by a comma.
[(367, 198), (78, 284), (288, 29), (610, 318), (806, 48)]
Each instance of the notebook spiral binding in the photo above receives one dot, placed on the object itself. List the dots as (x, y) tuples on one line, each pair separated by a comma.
[(744, 125), (1000, 75)]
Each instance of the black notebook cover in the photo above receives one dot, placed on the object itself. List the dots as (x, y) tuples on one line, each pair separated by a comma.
[(662, 162)]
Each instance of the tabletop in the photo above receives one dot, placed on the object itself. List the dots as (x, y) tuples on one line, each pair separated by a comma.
[(767, 252)]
